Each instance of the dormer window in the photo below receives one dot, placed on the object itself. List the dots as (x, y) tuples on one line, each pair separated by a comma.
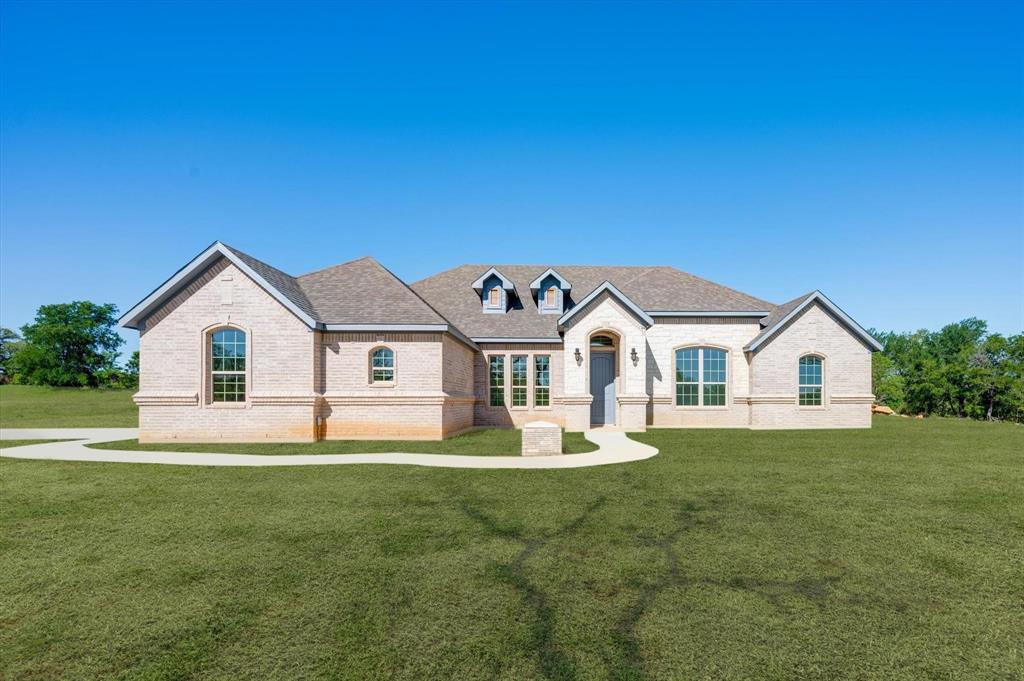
[(551, 297), (551, 290), (495, 291)]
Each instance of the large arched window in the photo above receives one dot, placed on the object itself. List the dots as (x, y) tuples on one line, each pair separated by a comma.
[(227, 353), (810, 382), (382, 365), (701, 377)]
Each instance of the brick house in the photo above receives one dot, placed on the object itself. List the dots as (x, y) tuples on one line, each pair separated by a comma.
[(234, 349)]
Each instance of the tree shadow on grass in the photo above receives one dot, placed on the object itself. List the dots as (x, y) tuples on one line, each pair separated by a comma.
[(554, 663), (630, 664)]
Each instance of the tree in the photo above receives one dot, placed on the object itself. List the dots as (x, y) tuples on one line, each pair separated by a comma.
[(10, 342), (68, 344), (131, 371)]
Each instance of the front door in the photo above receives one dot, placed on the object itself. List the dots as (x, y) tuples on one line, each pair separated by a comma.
[(602, 388)]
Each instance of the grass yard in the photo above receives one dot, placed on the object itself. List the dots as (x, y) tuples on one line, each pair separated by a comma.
[(7, 444), (889, 553), (31, 406), (490, 442)]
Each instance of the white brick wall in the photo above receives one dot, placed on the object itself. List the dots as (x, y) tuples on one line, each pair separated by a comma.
[(665, 337), (541, 438), (605, 314), (173, 356), (508, 416), (847, 376)]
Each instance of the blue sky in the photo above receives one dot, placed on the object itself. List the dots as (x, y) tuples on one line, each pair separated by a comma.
[(874, 151)]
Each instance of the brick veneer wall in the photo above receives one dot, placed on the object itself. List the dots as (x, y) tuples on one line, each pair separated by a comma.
[(847, 376), (174, 393), (509, 416), (541, 438), (606, 314), (670, 334), (415, 406)]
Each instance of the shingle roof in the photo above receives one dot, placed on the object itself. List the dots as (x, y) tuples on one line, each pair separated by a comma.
[(286, 284), (652, 288), (364, 292), (360, 291)]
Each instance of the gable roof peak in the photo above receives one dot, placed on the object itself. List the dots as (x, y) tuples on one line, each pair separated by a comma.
[(550, 272), (506, 283), (782, 314)]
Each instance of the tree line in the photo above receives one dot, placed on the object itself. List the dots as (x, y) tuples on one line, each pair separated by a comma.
[(68, 345), (961, 370)]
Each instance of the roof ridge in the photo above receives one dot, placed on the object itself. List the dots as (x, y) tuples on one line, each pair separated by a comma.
[(410, 290), (238, 251), (340, 264), (715, 283)]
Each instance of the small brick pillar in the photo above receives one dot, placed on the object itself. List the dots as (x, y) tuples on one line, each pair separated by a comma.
[(541, 438)]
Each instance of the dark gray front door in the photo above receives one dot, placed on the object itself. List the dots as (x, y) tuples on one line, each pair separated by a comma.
[(602, 387)]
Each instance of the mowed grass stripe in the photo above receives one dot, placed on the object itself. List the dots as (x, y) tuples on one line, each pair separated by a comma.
[(889, 553)]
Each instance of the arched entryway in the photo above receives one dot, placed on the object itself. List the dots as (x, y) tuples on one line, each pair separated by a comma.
[(604, 347)]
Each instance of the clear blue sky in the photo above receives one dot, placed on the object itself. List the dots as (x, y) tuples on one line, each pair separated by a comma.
[(874, 151)]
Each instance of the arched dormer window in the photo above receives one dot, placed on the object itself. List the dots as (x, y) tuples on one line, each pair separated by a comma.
[(811, 380), (382, 365), (494, 297), (701, 377), (551, 297), (227, 365)]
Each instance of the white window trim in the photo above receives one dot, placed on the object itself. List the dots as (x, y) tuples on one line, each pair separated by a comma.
[(504, 381), (206, 363), (700, 379), (824, 399), (533, 382), (510, 378), (394, 368)]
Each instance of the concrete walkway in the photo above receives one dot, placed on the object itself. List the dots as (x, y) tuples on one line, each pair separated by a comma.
[(615, 447)]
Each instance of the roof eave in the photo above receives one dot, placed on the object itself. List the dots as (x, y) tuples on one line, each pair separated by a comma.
[(607, 286), (133, 318), (821, 298), (562, 281)]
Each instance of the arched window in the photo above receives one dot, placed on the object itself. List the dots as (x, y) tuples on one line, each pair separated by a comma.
[(601, 342), (551, 297), (227, 354), (382, 365), (810, 381), (494, 297), (701, 377)]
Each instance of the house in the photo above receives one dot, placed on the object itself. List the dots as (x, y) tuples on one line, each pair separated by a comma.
[(234, 349)]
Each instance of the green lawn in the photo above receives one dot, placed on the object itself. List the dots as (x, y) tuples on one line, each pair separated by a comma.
[(30, 406), (889, 553), (7, 444), (490, 442)]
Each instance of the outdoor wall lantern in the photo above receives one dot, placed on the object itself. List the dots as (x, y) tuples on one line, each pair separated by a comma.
[(633, 356), (578, 356)]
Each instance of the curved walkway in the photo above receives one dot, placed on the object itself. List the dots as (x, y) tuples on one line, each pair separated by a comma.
[(614, 447)]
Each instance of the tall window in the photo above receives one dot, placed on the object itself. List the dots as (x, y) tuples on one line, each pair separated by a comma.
[(551, 297), (382, 365), (520, 369), (542, 381), (496, 380), (228, 355), (810, 381), (494, 297), (701, 375)]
